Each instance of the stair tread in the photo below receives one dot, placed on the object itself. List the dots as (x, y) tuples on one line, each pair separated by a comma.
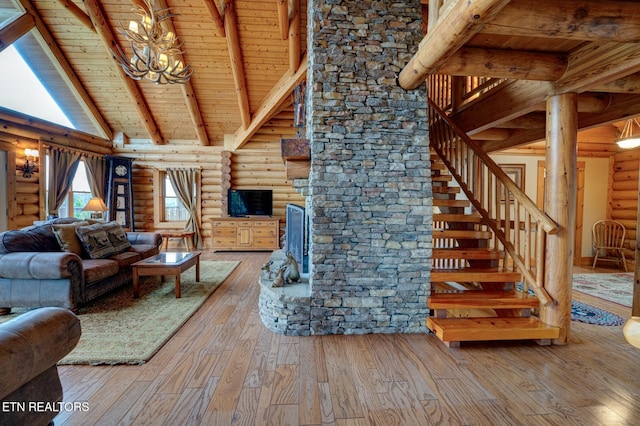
[(453, 217), (487, 275), (445, 202), (445, 190), (442, 178), (467, 253), (482, 299), (462, 233), (504, 328)]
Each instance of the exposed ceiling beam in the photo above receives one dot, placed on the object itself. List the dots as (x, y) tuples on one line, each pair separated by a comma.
[(214, 13), (628, 84), (16, 123), (67, 73), (294, 36), (592, 64), (574, 20), (454, 28), (505, 64), (78, 13), (283, 18), (15, 29), (599, 63), (507, 102), (237, 63), (188, 93), (273, 101), (104, 30)]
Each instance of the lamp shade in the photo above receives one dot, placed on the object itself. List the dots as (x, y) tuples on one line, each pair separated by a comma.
[(630, 137), (95, 205)]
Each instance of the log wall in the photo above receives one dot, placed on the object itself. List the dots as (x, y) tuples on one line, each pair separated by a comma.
[(24, 202), (623, 196), (258, 165)]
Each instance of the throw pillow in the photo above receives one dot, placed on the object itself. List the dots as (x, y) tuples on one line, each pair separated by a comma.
[(117, 236), (95, 241), (66, 236)]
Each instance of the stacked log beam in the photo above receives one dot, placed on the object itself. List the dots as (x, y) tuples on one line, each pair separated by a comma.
[(623, 197)]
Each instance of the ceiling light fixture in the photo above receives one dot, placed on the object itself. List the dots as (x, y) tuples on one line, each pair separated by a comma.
[(627, 139), (156, 51)]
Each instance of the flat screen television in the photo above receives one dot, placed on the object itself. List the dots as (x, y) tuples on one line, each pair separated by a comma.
[(250, 202)]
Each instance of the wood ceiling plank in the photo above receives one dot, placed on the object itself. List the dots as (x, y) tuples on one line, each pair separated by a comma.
[(454, 28), (237, 62), (188, 93), (599, 63), (104, 30), (578, 20), (271, 104)]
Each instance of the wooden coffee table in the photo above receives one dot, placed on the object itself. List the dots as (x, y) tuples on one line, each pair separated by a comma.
[(169, 263)]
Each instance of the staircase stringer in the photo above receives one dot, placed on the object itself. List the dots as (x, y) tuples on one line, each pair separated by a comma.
[(492, 193)]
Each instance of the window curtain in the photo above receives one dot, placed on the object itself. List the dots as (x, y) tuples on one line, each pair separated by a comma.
[(62, 169), (183, 182), (96, 174)]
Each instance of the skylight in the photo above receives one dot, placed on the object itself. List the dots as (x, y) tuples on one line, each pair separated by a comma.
[(23, 92)]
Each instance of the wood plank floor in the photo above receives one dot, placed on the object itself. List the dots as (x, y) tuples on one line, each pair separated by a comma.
[(224, 368)]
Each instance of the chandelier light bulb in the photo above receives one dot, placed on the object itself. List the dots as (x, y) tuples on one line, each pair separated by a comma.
[(157, 54)]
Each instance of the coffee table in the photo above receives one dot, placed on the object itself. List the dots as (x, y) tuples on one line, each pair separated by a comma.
[(168, 263)]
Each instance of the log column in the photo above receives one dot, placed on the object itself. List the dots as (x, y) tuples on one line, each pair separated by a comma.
[(560, 206)]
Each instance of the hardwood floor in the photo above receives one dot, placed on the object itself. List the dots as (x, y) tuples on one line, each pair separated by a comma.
[(224, 368)]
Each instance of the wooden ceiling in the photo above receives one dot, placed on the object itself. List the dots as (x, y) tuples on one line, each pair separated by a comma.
[(248, 55), (246, 58), (540, 48)]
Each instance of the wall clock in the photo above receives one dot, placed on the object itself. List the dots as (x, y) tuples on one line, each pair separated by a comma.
[(120, 191)]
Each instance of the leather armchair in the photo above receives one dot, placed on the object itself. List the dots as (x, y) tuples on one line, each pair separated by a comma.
[(30, 347)]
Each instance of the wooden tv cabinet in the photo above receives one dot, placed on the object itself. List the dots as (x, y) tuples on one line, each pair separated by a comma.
[(246, 233)]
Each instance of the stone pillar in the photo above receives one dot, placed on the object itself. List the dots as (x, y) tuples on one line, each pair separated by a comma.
[(370, 186)]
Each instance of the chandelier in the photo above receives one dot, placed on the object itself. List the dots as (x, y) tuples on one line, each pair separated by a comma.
[(156, 51), (627, 138)]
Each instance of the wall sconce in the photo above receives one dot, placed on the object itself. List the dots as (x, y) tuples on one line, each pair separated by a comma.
[(30, 162)]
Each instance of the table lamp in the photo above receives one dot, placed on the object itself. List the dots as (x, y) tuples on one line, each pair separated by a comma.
[(96, 206)]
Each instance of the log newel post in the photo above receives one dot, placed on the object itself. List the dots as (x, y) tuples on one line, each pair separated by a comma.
[(635, 304), (560, 206)]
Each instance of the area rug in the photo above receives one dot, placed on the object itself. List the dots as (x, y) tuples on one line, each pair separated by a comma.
[(616, 287), (118, 329), (589, 314), (592, 315)]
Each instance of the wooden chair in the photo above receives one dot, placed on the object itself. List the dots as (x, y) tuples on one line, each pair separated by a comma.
[(608, 238)]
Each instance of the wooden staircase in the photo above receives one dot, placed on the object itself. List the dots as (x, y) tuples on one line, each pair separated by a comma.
[(473, 296)]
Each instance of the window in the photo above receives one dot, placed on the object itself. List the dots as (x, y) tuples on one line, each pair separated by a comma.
[(174, 210), (77, 197), (169, 212)]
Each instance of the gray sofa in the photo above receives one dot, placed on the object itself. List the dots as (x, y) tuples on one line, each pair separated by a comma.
[(36, 272), (30, 347)]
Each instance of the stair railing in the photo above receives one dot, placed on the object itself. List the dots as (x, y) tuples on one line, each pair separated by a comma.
[(505, 208)]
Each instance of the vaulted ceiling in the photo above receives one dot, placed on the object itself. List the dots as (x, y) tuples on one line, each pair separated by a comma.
[(246, 57)]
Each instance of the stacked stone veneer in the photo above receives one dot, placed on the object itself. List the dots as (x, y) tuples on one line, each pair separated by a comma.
[(370, 186), (369, 198)]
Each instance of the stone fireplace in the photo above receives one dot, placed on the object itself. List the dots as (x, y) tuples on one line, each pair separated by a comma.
[(369, 197)]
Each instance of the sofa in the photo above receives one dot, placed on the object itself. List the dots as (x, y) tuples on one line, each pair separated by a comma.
[(67, 262), (30, 347)]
